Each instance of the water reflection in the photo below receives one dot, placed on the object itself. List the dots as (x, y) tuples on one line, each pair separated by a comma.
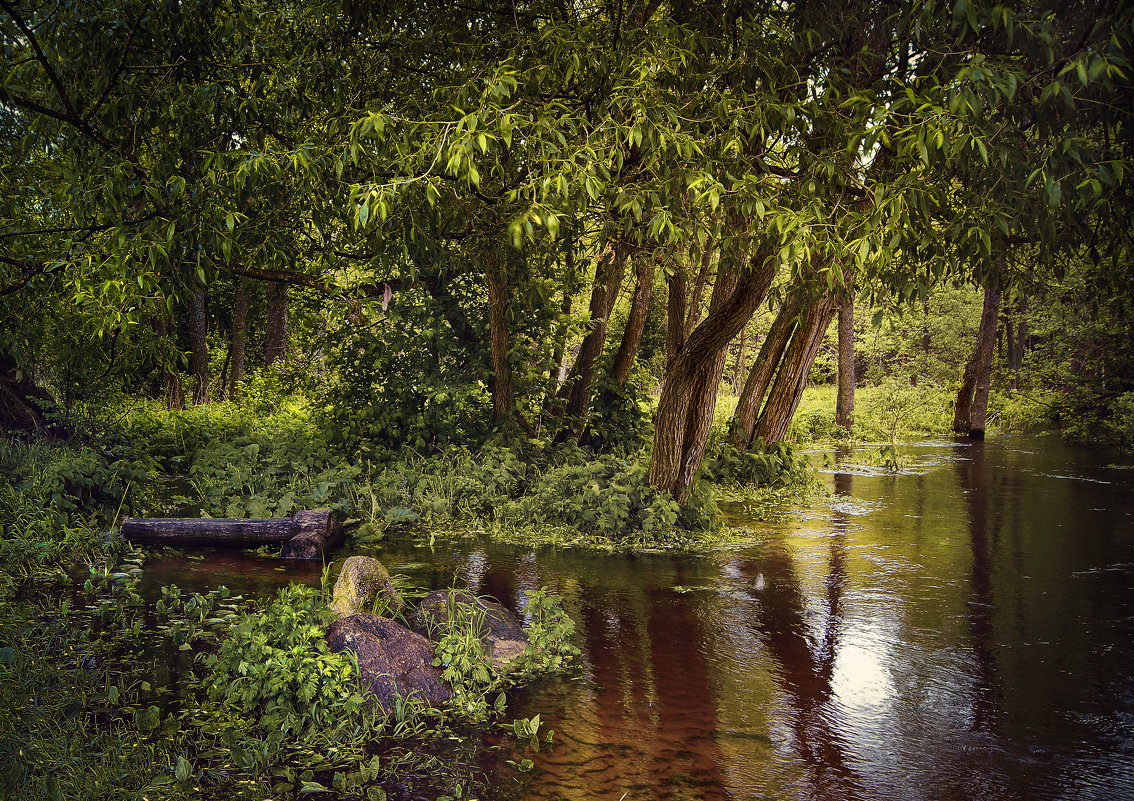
[(966, 632), (971, 473), (806, 664)]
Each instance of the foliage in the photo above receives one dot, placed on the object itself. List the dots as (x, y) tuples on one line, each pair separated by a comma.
[(549, 630), (274, 670), (75, 723), (605, 496), (772, 465), (621, 418), (478, 685)]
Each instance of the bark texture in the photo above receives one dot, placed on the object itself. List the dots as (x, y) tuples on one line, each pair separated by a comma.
[(791, 378), (762, 373), (237, 340), (972, 399), (636, 320), (677, 446), (503, 400), (199, 348), (275, 334), (315, 527), (608, 279)]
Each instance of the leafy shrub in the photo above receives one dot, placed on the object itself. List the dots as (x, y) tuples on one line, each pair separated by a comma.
[(620, 421), (465, 664), (760, 465), (605, 496), (275, 672), (549, 631)]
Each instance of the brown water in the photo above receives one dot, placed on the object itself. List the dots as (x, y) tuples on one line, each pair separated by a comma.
[(962, 630)]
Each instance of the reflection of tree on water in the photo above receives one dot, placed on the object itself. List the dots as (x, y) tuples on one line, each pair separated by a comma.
[(806, 666), (653, 712), (974, 484)]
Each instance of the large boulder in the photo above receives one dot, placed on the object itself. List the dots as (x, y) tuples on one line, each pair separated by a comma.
[(498, 628), (364, 587), (394, 662)]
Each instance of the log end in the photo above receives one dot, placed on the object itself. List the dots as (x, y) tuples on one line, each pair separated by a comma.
[(316, 532)]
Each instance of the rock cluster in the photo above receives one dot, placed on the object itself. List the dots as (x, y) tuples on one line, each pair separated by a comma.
[(396, 661)]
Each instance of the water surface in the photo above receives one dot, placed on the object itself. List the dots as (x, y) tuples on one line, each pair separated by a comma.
[(961, 630)]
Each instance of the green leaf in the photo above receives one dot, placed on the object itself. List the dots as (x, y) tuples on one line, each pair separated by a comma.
[(183, 770), (312, 787)]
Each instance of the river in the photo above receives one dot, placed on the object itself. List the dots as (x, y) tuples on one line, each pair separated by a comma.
[(963, 629)]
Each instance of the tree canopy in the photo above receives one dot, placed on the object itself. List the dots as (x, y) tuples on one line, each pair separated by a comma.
[(446, 178)]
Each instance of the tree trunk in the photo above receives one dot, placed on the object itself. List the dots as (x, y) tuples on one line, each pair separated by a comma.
[(557, 374), (972, 399), (844, 403), (303, 536), (503, 401), (236, 344), (762, 373), (791, 378), (636, 321), (704, 387), (676, 286), (984, 369), (199, 348), (673, 459), (741, 365), (608, 280), (275, 335)]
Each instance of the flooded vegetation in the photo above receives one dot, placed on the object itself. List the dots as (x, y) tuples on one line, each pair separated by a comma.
[(958, 629)]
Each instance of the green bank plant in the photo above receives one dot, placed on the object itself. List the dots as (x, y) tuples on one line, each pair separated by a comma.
[(478, 685)]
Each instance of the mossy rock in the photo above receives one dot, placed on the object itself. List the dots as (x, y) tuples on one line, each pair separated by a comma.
[(364, 586)]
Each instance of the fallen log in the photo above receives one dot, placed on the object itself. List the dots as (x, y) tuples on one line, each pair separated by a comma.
[(306, 535)]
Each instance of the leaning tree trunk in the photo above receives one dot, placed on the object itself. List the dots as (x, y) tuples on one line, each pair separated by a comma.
[(693, 312), (791, 378), (636, 321), (608, 280), (762, 372), (972, 399), (844, 402), (672, 454), (676, 287), (236, 343), (741, 365), (703, 389)]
